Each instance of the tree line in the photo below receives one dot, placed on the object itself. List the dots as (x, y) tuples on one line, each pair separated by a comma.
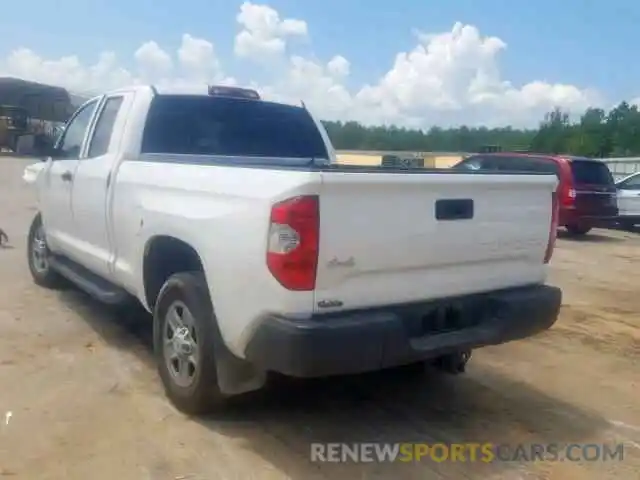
[(597, 133)]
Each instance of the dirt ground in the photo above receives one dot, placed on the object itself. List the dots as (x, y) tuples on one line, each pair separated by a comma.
[(85, 401)]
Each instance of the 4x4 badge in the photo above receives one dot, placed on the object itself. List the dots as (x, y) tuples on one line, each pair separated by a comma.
[(335, 262)]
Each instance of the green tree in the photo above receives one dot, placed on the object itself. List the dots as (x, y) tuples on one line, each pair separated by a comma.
[(596, 133)]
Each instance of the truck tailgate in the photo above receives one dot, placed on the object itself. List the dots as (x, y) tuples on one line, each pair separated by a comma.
[(391, 238)]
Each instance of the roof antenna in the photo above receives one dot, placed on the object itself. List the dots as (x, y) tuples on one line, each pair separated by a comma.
[(303, 105)]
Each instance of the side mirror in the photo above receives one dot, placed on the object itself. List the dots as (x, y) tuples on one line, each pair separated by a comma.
[(43, 147), (47, 151)]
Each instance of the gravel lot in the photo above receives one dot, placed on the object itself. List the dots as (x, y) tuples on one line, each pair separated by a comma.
[(86, 403)]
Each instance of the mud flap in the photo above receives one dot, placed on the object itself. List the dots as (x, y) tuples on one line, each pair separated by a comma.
[(235, 376)]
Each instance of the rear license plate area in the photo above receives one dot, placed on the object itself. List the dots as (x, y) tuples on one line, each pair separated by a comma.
[(445, 318), (596, 203)]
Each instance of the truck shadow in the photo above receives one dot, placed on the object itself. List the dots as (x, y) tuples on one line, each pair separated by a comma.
[(634, 229), (280, 423)]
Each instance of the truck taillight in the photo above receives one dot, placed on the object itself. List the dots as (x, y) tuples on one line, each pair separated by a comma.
[(553, 229), (292, 248)]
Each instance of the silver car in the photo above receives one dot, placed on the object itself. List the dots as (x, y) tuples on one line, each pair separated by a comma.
[(628, 192)]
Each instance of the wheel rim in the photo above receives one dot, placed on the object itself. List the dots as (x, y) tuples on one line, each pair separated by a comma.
[(180, 344), (40, 252)]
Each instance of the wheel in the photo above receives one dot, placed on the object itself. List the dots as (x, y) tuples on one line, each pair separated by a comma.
[(627, 224), (38, 257), (577, 230), (184, 339)]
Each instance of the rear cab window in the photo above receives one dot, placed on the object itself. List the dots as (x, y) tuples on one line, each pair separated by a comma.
[(230, 127), (590, 172)]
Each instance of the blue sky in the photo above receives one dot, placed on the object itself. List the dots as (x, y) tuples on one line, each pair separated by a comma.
[(588, 43)]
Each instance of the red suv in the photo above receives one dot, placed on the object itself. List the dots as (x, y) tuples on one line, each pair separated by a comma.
[(586, 189)]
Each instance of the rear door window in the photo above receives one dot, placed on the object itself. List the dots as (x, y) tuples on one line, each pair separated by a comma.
[(200, 125), (590, 172)]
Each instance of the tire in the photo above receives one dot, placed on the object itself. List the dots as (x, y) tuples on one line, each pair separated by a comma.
[(196, 392), (577, 230), (627, 225), (38, 257)]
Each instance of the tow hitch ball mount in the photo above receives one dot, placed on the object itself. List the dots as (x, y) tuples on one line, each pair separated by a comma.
[(454, 363)]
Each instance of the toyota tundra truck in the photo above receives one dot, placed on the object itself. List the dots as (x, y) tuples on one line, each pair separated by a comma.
[(227, 217)]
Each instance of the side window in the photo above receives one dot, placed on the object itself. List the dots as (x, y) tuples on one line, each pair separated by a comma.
[(547, 166), (492, 163), (499, 163), (512, 164), (472, 163), (631, 184), (524, 164), (99, 144), (71, 141), (543, 166)]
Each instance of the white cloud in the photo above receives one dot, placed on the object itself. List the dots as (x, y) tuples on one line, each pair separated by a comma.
[(68, 71), (316, 85), (339, 66), (263, 33), (198, 58), (447, 78), (153, 59)]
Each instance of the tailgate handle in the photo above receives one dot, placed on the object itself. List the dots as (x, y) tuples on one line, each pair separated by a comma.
[(454, 209)]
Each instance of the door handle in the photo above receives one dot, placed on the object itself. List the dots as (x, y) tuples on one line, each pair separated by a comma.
[(67, 176)]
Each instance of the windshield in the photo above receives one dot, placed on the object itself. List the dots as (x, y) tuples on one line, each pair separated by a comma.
[(199, 125), (590, 172)]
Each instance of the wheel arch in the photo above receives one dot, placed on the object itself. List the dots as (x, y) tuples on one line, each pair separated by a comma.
[(165, 255)]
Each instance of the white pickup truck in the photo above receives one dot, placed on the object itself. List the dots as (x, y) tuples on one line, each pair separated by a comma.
[(228, 218)]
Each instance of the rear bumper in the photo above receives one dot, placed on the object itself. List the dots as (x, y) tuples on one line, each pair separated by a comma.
[(361, 341), (629, 218), (576, 218)]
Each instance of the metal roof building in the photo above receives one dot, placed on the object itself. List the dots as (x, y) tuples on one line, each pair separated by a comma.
[(43, 102)]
